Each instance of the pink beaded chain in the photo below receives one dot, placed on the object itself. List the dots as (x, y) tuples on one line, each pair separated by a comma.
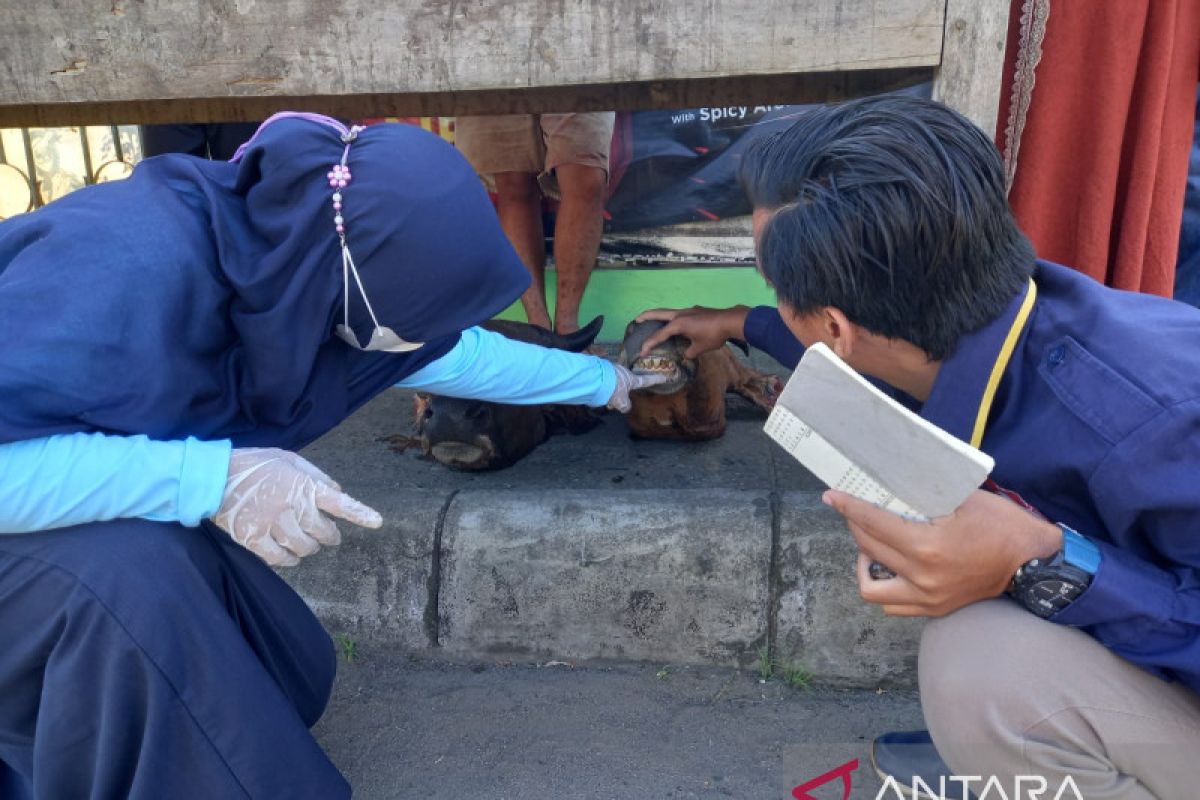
[(339, 176)]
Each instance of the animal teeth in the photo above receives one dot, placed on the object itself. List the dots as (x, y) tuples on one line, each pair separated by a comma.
[(655, 364)]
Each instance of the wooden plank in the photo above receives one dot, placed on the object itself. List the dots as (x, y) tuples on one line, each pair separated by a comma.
[(97, 52), (973, 59), (809, 87)]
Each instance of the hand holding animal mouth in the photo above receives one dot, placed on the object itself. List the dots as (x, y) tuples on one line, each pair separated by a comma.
[(706, 328)]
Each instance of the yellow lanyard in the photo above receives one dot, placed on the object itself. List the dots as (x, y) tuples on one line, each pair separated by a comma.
[(1006, 351)]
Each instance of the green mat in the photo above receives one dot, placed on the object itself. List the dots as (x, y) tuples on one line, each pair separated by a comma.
[(621, 294)]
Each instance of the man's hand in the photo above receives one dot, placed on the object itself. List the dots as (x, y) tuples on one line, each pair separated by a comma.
[(947, 563), (706, 328)]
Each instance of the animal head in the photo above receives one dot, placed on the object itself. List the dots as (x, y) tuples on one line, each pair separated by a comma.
[(478, 435), (690, 406), (665, 358)]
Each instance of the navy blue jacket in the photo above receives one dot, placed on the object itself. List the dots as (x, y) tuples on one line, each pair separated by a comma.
[(1096, 423)]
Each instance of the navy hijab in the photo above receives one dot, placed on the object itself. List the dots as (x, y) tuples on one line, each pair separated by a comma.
[(199, 298)]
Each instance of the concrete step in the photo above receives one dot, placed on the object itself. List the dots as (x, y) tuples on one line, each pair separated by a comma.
[(442, 731), (600, 547)]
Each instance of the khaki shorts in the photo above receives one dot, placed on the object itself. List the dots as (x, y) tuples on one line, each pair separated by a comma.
[(535, 143)]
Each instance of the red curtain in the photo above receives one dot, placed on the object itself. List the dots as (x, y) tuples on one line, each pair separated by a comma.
[(1102, 158)]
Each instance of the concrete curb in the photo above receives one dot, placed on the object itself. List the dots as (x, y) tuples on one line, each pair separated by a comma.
[(379, 584), (678, 576), (821, 621), (527, 565), (675, 576)]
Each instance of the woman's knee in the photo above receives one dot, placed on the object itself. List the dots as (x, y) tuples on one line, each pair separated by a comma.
[(187, 595), (122, 557)]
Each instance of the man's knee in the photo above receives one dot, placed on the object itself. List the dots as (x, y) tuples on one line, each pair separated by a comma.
[(970, 667), (582, 182), (516, 187), (989, 673), (947, 666)]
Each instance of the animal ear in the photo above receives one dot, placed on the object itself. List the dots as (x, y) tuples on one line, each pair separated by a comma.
[(581, 339), (740, 344), (421, 403)]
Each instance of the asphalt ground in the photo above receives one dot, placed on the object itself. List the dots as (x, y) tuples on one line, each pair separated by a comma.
[(401, 728)]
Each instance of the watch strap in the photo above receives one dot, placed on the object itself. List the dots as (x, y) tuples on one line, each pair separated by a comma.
[(1079, 551)]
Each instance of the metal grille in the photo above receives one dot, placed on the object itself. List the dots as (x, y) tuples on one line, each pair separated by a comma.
[(38, 165)]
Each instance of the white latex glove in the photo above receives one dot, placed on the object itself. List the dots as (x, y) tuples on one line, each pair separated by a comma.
[(630, 382), (273, 503)]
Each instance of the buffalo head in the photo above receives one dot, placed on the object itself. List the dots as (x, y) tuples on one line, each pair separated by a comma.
[(478, 435)]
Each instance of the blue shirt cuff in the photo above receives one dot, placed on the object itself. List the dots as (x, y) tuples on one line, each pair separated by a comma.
[(202, 476), (608, 383), (1124, 587)]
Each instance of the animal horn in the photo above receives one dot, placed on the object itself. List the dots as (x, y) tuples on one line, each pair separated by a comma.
[(582, 338)]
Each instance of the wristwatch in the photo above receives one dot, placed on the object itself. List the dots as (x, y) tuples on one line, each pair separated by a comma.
[(1047, 586)]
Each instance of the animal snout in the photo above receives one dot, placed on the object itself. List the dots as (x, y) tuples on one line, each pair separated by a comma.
[(449, 419), (478, 412)]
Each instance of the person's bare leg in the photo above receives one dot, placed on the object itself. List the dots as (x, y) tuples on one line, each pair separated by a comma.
[(576, 237), (520, 209)]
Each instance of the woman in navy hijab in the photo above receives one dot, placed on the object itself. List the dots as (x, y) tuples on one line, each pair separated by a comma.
[(168, 340)]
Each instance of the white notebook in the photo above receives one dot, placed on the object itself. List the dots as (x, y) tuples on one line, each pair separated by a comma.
[(858, 440)]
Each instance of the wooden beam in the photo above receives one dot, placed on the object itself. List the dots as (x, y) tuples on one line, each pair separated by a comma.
[(161, 60), (973, 59), (811, 87)]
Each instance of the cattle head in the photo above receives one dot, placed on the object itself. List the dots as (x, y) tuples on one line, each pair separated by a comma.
[(478, 435), (666, 358), (690, 406)]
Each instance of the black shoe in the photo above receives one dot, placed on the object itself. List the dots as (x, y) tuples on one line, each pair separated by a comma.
[(903, 756)]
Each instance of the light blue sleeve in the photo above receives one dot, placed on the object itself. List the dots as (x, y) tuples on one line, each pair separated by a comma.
[(75, 478), (487, 366)]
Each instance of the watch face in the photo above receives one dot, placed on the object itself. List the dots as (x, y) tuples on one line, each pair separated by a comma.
[(1048, 596)]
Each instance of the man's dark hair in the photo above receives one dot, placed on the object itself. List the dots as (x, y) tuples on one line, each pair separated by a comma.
[(893, 210)]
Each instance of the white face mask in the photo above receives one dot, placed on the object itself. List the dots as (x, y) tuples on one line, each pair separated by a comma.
[(382, 338)]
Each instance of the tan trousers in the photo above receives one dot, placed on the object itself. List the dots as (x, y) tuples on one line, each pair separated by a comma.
[(1007, 694)]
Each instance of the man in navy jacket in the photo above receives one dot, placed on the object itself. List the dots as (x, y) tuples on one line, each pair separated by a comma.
[(1066, 593)]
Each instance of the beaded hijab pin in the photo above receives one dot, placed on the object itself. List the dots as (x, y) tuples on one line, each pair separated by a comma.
[(383, 338)]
